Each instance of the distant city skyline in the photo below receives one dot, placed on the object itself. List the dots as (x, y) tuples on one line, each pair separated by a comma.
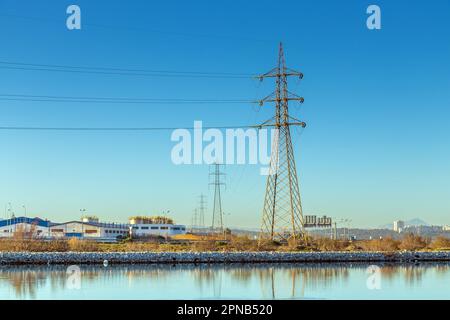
[(376, 103)]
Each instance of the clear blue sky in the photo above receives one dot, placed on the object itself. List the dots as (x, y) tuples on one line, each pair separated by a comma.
[(377, 103)]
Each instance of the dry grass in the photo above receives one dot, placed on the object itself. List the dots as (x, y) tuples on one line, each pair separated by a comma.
[(440, 243), (31, 245), (385, 244), (233, 243), (78, 245), (412, 242), (327, 244)]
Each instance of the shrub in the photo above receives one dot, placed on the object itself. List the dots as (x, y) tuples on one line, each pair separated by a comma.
[(440, 242), (327, 244), (385, 244), (412, 242), (242, 243)]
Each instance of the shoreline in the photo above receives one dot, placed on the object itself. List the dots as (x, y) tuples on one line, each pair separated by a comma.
[(65, 258)]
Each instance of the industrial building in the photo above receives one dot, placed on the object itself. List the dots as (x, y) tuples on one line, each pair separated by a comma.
[(155, 226), (89, 227), (27, 227)]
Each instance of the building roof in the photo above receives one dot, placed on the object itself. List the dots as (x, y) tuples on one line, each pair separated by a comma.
[(151, 220), (16, 220), (46, 223), (95, 224)]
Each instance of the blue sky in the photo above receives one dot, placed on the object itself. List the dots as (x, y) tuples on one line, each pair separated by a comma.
[(376, 104)]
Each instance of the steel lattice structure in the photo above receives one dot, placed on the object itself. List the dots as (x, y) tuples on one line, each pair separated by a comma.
[(282, 213), (198, 217), (201, 211), (217, 216)]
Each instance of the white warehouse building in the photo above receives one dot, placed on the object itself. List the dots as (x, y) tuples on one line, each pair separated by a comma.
[(155, 226), (89, 228), (25, 227)]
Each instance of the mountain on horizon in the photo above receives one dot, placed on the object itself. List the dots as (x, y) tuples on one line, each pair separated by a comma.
[(413, 222)]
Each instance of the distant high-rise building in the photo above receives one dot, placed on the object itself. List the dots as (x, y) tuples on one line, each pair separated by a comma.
[(399, 225)]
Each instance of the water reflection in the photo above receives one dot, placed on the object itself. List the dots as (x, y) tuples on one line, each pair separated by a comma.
[(261, 281)]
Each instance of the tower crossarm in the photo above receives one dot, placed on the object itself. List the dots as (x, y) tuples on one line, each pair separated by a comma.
[(296, 123), (283, 99), (278, 99), (275, 73)]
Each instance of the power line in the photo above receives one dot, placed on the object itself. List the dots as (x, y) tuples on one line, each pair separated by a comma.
[(117, 100), (124, 69), (17, 128), (136, 28), (119, 71)]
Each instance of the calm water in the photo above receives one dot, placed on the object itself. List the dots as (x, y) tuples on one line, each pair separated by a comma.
[(279, 281)]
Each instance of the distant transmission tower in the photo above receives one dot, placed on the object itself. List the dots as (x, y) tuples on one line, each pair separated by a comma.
[(194, 221), (201, 211), (282, 213), (198, 217), (217, 219)]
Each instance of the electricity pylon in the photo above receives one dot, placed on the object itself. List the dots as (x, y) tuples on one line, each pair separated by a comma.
[(194, 221), (198, 217), (217, 219), (201, 210), (282, 213)]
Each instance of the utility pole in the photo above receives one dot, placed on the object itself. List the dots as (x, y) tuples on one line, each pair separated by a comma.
[(217, 218), (282, 216)]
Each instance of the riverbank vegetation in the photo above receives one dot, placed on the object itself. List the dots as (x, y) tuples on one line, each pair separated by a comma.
[(409, 242)]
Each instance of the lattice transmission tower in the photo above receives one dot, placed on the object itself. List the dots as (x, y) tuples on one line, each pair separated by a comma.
[(282, 217), (194, 220), (198, 217), (217, 218), (201, 210)]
